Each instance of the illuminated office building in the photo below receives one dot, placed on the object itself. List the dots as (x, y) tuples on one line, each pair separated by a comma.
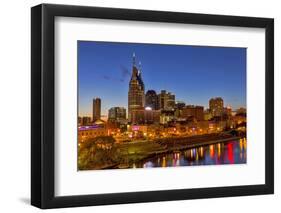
[(216, 106), (151, 100), (166, 100), (117, 114)]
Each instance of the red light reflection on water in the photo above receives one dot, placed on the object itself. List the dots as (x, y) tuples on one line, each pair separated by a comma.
[(230, 153)]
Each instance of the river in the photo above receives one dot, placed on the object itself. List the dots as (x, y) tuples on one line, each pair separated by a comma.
[(230, 152)]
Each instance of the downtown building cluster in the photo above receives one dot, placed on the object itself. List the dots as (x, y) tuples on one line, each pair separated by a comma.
[(152, 108), (158, 114)]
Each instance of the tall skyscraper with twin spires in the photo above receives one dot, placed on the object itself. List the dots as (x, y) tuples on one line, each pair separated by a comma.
[(136, 97)]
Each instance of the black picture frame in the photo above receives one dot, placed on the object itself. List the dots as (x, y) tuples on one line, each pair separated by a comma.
[(43, 110)]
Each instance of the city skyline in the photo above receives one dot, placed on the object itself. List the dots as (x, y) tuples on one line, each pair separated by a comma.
[(146, 126), (193, 80)]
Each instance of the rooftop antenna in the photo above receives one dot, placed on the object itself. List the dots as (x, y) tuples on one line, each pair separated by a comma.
[(139, 66), (134, 59)]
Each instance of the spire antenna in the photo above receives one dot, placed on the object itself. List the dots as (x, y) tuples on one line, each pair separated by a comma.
[(139, 66), (134, 59)]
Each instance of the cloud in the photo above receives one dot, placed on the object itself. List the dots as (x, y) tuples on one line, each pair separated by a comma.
[(122, 75), (125, 72), (106, 77)]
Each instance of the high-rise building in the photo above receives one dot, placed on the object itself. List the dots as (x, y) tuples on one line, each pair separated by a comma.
[(136, 97), (145, 116), (191, 111), (180, 105), (216, 106), (178, 108), (167, 116), (85, 121), (96, 109), (117, 114), (241, 110), (166, 100), (151, 100), (227, 111), (79, 121), (207, 115)]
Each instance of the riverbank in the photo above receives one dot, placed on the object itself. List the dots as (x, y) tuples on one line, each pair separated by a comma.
[(139, 151)]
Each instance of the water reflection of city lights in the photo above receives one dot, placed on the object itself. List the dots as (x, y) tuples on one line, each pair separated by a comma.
[(164, 164), (230, 152), (241, 143), (178, 162), (148, 164), (219, 150), (174, 161), (201, 152), (212, 152), (194, 152), (220, 153)]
